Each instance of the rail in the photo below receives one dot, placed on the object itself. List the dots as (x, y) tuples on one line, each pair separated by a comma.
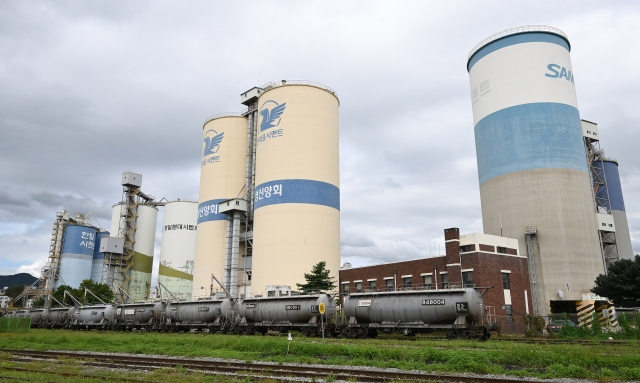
[(514, 31), (440, 286), (227, 114)]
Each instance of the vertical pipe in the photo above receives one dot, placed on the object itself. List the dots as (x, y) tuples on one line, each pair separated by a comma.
[(227, 262), (235, 254), (253, 164), (249, 161)]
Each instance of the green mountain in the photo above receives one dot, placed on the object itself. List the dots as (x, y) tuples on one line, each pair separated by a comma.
[(16, 279)]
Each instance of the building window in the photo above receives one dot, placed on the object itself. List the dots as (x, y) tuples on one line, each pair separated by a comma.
[(372, 285), (271, 293), (407, 283), (389, 283), (445, 281), (509, 312), (502, 250), (465, 248), (345, 288), (467, 278), (427, 280), (505, 281), (358, 287)]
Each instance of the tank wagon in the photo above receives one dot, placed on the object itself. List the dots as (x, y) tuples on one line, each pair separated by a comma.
[(207, 315), (100, 317), (294, 312), (455, 311), (58, 317), (143, 316)]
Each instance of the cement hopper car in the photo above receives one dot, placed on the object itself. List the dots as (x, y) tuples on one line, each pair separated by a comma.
[(98, 317), (296, 312), (58, 317), (147, 316), (456, 311), (206, 315)]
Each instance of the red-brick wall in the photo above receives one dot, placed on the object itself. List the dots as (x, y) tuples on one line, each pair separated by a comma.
[(488, 248)]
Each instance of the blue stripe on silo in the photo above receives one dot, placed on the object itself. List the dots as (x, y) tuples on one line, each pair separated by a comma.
[(79, 240), (527, 37), (208, 211), (297, 191), (96, 251), (613, 185), (529, 136)]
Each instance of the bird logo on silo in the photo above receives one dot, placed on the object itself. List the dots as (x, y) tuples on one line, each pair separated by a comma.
[(271, 112), (212, 142)]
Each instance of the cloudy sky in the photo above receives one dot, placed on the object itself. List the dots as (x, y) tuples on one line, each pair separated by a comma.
[(89, 89)]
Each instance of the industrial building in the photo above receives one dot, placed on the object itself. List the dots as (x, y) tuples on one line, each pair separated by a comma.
[(477, 260), (536, 163), (269, 206)]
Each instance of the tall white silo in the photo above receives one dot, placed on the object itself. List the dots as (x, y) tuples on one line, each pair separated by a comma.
[(531, 161), (297, 193), (143, 248), (222, 177), (178, 247)]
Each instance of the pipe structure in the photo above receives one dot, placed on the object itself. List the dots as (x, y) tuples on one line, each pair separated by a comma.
[(227, 262), (235, 254), (249, 179)]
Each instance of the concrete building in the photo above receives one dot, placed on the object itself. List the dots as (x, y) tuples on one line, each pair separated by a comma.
[(534, 180), (471, 260)]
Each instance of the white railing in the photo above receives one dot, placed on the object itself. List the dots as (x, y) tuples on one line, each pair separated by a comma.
[(516, 30), (275, 84), (228, 114)]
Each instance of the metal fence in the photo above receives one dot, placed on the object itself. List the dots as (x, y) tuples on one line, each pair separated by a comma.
[(516, 30), (16, 325)]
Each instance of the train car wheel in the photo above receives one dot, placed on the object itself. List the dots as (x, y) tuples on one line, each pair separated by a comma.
[(407, 332), (362, 333), (451, 334), (373, 333)]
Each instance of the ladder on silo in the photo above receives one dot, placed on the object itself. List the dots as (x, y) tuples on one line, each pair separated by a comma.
[(530, 231)]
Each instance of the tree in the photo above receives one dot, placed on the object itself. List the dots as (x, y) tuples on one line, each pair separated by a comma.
[(100, 289), (14, 291), (622, 284), (318, 280)]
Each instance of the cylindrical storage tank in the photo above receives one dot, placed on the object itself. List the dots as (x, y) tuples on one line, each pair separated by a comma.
[(297, 195), (95, 314), (200, 311), (98, 258), (613, 192), (531, 160), (222, 177), (293, 309), (136, 313), (178, 247), (429, 306), (76, 259), (143, 247)]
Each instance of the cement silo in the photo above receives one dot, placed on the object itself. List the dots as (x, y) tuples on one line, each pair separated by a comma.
[(77, 255), (98, 258), (531, 159), (222, 177), (297, 193), (178, 247), (145, 237), (612, 194)]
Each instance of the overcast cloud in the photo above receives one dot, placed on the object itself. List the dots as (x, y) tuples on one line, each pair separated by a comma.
[(89, 89)]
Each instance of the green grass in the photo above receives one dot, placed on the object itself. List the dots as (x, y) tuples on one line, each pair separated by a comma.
[(595, 361)]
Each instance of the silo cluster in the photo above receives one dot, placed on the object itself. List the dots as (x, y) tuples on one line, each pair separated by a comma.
[(178, 247), (281, 157), (535, 183)]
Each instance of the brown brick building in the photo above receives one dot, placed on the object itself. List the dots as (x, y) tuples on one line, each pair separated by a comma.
[(472, 260)]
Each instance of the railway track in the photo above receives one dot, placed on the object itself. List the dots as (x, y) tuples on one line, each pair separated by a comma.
[(254, 371), (529, 341)]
